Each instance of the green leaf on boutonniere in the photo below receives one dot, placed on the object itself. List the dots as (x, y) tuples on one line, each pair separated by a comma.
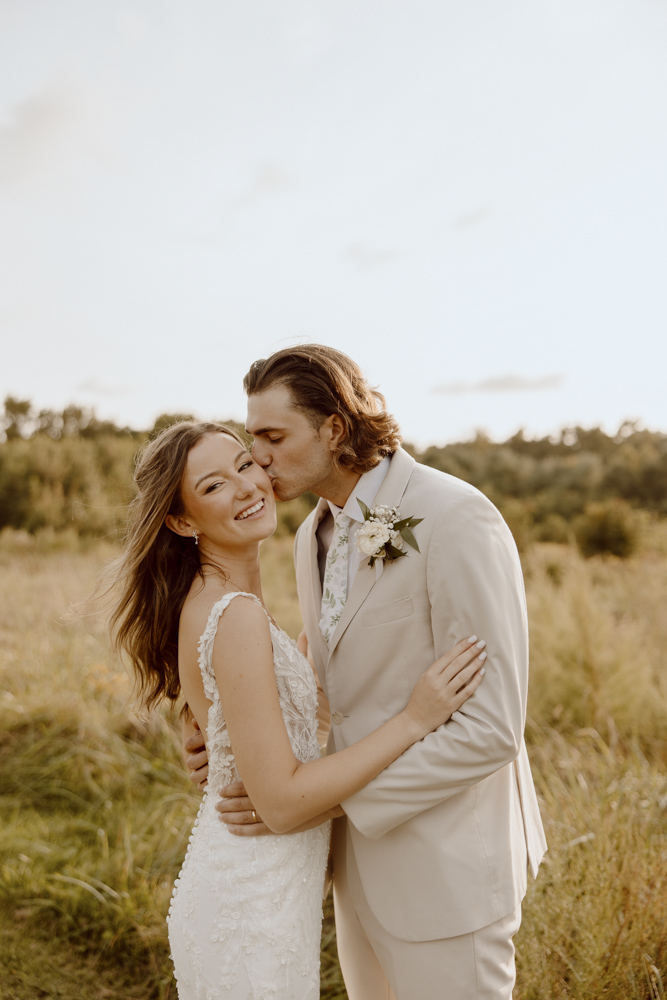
[(406, 535), (407, 522), (364, 509), (392, 552)]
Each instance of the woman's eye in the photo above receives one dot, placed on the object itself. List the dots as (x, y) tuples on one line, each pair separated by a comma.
[(212, 487), (275, 440), (246, 465)]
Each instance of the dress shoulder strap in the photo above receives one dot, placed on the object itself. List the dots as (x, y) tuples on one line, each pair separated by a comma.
[(207, 640)]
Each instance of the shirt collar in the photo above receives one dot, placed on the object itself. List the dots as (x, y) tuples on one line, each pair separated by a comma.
[(366, 489)]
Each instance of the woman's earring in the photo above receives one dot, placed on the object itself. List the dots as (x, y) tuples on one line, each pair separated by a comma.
[(195, 535)]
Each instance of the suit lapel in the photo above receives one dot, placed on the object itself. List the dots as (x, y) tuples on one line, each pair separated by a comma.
[(389, 494), (315, 585), (311, 614)]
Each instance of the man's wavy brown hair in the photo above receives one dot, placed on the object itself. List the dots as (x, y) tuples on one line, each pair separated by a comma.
[(322, 381)]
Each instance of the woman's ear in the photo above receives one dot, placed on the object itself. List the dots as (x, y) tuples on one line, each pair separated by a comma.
[(179, 525)]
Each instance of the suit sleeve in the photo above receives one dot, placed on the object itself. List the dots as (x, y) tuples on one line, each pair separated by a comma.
[(475, 587)]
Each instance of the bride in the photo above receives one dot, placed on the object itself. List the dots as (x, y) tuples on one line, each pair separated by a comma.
[(245, 916)]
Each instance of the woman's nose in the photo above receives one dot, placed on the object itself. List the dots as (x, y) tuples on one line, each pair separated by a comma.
[(244, 487)]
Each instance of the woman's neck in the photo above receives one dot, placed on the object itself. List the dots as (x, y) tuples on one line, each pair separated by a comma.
[(240, 571)]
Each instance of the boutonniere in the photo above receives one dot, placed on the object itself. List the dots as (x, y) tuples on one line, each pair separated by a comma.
[(384, 532)]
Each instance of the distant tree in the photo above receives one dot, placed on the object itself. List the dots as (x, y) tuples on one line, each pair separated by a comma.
[(84, 483), (17, 419), (20, 420), (609, 527), (50, 422), (536, 447), (594, 440), (64, 467), (166, 420)]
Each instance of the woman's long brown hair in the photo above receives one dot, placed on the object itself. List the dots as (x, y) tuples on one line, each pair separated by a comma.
[(153, 575)]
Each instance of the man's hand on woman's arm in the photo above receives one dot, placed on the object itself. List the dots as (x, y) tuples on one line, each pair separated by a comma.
[(236, 810)]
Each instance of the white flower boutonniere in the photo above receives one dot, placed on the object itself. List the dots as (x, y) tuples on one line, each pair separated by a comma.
[(384, 532)]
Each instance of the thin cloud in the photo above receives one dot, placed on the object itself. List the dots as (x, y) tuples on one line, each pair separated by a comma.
[(362, 253), (472, 218), (502, 383), (99, 388), (271, 177), (49, 133), (38, 123)]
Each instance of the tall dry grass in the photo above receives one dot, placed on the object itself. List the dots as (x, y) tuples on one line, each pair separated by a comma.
[(96, 808), (598, 635)]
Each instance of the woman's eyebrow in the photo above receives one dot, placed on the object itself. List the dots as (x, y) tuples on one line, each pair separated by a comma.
[(209, 475)]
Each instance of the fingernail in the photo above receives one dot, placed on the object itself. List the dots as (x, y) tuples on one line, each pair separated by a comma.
[(482, 656), (473, 638), (481, 644), (483, 671)]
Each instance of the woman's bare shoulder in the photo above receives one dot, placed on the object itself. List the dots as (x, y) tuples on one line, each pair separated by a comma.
[(244, 615), (243, 612), (197, 607)]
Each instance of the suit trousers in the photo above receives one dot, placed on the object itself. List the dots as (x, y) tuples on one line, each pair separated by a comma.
[(377, 966)]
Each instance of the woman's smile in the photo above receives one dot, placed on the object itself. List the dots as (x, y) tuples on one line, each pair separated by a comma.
[(254, 509)]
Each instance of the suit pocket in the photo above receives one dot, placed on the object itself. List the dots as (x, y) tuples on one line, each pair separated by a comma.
[(387, 613)]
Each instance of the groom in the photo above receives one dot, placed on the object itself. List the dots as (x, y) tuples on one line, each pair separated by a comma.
[(430, 862)]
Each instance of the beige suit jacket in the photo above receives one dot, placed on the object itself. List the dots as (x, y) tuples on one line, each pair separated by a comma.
[(442, 837)]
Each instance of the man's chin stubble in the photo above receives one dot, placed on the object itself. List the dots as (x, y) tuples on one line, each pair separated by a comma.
[(283, 496)]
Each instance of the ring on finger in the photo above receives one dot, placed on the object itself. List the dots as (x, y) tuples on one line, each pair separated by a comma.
[(255, 817)]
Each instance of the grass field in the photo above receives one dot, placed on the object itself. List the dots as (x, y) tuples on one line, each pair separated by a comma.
[(96, 807)]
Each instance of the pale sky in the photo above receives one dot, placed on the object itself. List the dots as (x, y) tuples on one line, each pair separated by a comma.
[(468, 197)]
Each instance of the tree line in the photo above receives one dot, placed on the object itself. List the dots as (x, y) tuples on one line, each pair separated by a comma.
[(69, 469)]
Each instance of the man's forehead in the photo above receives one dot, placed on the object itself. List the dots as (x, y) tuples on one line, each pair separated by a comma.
[(271, 409)]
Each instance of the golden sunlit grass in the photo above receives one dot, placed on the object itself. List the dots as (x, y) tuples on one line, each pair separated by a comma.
[(97, 808)]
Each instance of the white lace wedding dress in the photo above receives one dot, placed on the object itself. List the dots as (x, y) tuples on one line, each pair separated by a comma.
[(246, 914)]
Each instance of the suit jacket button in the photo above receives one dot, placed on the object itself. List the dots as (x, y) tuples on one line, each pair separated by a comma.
[(337, 717)]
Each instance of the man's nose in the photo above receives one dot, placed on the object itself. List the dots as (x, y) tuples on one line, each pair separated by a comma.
[(261, 455)]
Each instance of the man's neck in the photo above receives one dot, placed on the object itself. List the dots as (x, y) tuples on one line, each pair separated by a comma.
[(337, 486)]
